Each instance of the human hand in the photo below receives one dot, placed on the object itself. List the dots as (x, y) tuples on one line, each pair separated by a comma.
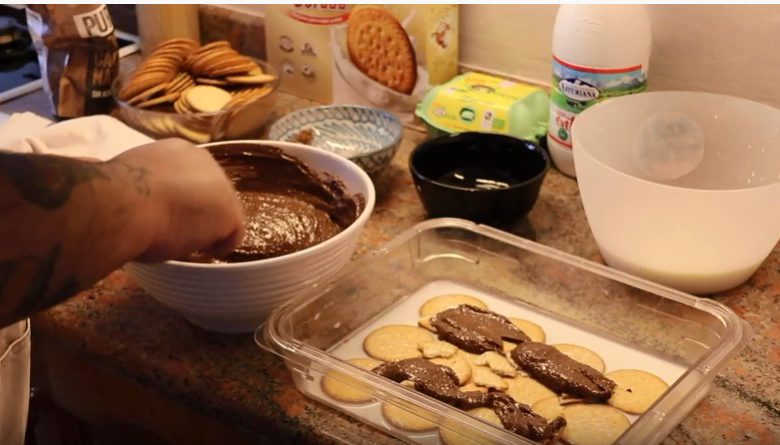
[(188, 203)]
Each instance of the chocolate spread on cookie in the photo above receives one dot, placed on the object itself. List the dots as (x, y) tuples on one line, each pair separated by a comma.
[(476, 330), (440, 382), (287, 206), (519, 418), (437, 381), (560, 373)]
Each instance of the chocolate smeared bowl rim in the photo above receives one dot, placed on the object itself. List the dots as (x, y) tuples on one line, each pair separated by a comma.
[(369, 199)]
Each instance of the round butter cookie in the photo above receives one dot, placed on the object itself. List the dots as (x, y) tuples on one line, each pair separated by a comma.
[(636, 390), (527, 390), (443, 302), (396, 342), (582, 355), (458, 363), (549, 408), (455, 434), (404, 419), (379, 47), (206, 98), (346, 389), (593, 424)]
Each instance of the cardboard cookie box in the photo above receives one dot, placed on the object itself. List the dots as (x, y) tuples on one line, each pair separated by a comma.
[(385, 56)]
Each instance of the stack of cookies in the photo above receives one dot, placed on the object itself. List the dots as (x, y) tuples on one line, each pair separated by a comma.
[(183, 77), (153, 81)]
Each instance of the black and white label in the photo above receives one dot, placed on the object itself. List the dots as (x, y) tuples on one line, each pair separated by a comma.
[(96, 23)]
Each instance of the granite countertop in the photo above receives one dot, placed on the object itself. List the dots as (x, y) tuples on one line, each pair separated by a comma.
[(118, 327)]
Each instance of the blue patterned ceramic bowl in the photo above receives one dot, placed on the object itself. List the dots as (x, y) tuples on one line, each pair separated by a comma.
[(367, 136)]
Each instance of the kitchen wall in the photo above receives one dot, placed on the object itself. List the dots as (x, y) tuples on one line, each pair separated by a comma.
[(730, 49)]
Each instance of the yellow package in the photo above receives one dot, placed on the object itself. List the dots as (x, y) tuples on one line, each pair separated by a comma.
[(480, 102), (386, 56)]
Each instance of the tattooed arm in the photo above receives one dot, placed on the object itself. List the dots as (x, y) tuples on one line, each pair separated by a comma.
[(65, 223)]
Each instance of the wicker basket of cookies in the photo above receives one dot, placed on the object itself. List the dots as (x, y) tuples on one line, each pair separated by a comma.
[(201, 93)]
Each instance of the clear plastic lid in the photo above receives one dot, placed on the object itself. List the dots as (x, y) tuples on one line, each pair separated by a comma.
[(682, 338)]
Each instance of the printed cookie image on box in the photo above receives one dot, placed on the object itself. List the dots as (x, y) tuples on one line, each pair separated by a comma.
[(388, 56), (384, 56), (379, 47)]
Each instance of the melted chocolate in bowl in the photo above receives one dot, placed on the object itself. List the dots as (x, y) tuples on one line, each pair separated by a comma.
[(287, 206)]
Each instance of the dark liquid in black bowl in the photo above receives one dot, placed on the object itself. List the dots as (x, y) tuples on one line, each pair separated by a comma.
[(479, 178)]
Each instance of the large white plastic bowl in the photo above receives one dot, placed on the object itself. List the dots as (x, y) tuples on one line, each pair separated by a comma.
[(237, 297), (706, 231)]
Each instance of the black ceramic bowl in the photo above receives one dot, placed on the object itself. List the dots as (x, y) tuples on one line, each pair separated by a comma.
[(487, 178)]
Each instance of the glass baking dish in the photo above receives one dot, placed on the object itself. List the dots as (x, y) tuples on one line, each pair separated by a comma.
[(684, 339)]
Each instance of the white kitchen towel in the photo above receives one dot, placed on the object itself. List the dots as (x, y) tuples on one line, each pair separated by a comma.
[(100, 137)]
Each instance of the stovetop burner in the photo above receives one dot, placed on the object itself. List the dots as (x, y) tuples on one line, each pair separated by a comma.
[(15, 45), (7, 23), (18, 61)]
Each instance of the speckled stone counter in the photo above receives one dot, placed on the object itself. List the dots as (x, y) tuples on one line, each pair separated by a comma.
[(120, 329)]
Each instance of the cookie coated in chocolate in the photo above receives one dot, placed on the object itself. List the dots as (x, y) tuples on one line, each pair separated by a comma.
[(561, 373), (437, 381), (287, 206), (476, 330), (440, 382), (519, 418)]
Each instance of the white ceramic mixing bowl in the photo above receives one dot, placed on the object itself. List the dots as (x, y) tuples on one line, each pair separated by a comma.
[(704, 214), (237, 297)]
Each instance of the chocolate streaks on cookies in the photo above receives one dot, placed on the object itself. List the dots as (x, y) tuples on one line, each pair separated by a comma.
[(437, 381), (476, 330), (560, 373), (441, 383), (519, 418)]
